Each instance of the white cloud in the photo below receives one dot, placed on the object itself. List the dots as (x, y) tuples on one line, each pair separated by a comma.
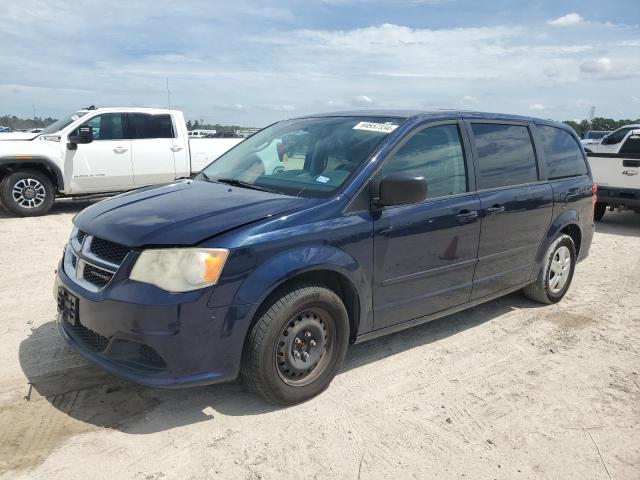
[(362, 100), (469, 100), (596, 65), (568, 20), (538, 107)]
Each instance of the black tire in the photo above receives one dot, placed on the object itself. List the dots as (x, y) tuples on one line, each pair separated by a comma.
[(302, 319), (599, 211), (541, 290), (34, 183)]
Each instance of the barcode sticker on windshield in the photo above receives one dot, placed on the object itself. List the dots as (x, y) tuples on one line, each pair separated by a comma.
[(375, 127)]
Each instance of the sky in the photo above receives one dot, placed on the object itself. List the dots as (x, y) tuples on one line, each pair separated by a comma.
[(254, 62)]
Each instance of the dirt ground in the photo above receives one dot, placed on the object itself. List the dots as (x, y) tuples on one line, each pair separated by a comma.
[(507, 390)]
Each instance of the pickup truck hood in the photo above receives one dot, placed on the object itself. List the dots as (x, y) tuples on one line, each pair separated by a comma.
[(18, 135), (183, 213), (34, 148)]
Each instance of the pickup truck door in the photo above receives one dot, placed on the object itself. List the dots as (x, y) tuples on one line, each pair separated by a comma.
[(156, 148), (619, 170), (104, 164)]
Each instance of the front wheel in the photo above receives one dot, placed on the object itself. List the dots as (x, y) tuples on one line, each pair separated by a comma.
[(27, 193), (555, 276), (297, 345)]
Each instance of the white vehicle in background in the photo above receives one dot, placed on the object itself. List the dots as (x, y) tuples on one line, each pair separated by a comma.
[(101, 151), (593, 136), (617, 175), (611, 143), (200, 133)]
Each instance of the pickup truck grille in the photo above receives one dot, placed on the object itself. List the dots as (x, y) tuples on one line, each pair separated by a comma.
[(92, 261)]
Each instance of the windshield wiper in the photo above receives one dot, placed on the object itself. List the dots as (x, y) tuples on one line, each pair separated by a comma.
[(239, 183)]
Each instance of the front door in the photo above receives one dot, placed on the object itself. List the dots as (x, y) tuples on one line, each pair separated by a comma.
[(425, 254), (155, 148), (515, 208), (104, 164)]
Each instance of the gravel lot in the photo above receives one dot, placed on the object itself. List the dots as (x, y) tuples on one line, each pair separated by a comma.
[(508, 390)]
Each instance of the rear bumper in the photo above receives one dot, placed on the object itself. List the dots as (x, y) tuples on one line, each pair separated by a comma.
[(616, 197), (169, 341)]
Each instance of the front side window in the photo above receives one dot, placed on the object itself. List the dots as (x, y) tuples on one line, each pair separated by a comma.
[(146, 126), (310, 157), (561, 152), (505, 155), (631, 145), (107, 126), (617, 136), (434, 153)]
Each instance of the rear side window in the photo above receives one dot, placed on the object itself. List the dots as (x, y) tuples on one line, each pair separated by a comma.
[(561, 152), (505, 155), (144, 125), (434, 153)]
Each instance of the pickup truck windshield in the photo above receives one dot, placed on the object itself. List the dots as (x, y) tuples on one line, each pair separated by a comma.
[(309, 157), (63, 122)]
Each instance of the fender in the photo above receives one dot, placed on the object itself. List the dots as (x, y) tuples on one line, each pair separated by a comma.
[(18, 162), (568, 217), (260, 283)]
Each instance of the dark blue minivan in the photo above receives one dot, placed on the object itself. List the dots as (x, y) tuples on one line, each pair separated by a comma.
[(319, 232)]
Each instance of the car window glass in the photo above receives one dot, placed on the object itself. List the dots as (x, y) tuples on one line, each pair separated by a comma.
[(144, 125), (617, 136), (107, 126), (631, 144), (505, 155), (434, 153), (561, 152)]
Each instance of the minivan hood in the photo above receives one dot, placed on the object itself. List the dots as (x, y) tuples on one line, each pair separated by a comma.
[(183, 213)]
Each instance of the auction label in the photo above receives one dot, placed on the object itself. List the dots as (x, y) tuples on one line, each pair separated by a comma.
[(375, 127)]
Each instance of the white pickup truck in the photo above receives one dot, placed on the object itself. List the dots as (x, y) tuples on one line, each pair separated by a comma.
[(100, 151), (617, 175)]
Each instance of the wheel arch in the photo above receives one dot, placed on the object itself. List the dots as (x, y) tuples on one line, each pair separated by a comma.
[(567, 222), (42, 164)]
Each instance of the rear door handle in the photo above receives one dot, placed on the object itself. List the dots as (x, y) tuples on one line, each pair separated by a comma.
[(120, 149), (466, 216), (493, 209), (175, 148)]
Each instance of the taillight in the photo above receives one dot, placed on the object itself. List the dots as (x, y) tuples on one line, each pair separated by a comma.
[(594, 196)]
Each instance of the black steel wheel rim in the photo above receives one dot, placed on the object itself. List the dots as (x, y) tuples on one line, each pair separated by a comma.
[(305, 346)]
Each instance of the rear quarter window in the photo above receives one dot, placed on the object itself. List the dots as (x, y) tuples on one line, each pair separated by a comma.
[(561, 152)]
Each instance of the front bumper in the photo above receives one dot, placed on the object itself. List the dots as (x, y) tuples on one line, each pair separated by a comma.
[(151, 337), (616, 197)]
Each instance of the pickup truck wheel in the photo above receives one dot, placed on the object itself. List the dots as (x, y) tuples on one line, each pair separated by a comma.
[(297, 345), (599, 211), (27, 193), (556, 274)]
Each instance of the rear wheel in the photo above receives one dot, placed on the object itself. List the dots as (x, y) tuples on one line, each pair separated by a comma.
[(554, 278), (297, 345), (599, 211), (27, 193)]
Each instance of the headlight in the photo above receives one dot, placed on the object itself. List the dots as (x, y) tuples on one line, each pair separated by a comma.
[(180, 269)]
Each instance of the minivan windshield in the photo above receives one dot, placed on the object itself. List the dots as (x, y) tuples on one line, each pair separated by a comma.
[(63, 122), (310, 157)]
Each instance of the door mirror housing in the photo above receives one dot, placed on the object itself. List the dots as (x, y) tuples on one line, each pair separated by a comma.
[(400, 189), (84, 134)]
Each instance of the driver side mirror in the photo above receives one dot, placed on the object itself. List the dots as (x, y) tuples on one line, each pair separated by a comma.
[(400, 189), (84, 134)]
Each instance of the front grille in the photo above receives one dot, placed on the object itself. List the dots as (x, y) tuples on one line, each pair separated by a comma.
[(109, 251), (80, 236), (74, 261), (96, 276), (90, 339)]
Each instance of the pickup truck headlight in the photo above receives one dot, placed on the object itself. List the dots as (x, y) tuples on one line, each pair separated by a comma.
[(180, 269)]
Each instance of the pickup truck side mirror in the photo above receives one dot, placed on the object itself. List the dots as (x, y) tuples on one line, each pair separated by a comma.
[(84, 134), (400, 189)]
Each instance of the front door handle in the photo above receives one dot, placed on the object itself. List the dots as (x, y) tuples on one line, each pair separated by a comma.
[(466, 216), (493, 209), (175, 148), (120, 149)]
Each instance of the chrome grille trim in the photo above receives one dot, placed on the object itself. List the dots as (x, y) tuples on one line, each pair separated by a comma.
[(78, 254)]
